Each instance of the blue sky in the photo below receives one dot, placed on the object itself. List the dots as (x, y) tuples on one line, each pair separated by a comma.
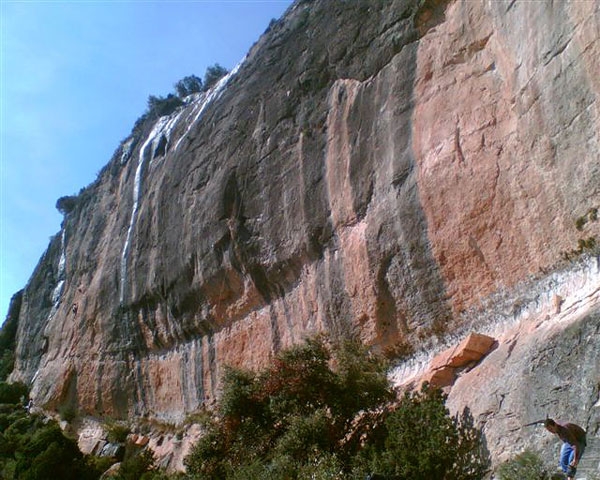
[(75, 75)]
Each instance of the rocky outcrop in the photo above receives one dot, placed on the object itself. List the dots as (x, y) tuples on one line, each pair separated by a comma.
[(445, 366), (406, 171), (543, 363)]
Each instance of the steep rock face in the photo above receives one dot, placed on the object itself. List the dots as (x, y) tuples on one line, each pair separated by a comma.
[(544, 362), (505, 136), (393, 169)]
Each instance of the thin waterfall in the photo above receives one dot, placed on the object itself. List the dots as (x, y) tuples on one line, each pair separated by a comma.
[(60, 276), (158, 127), (163, 127), (207, 98)]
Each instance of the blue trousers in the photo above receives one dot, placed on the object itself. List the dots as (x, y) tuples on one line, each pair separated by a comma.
[(567, 454)]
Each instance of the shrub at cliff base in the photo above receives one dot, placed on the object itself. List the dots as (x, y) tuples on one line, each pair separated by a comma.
[(32, 448), (35, 448), (526, 466), (301, 419), (8, 334), (419, 439)]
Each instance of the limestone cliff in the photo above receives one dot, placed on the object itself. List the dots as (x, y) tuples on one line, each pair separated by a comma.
[(402, 170)]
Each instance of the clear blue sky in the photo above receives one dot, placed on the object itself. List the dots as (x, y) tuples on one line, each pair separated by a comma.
[(75, 75)]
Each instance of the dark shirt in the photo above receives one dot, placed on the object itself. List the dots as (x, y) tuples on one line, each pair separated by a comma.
[(572, 434)]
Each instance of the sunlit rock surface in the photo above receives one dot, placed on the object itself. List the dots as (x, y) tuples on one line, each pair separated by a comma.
[(405, 171)]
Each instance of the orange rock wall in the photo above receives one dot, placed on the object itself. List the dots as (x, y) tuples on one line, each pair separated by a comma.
[(388, 172), (505, 138)]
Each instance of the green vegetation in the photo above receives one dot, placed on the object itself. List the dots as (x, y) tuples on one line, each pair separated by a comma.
[(35, 448), (188, 85), (525, 466), (193, 84), (584, 245), (8, 334), (421, 440), (67, 413), (213, 74), (302, 418), (13, 393), (159, 106), (323, 410), (138, 466), (117, 432), (590, 216), (66, 204)]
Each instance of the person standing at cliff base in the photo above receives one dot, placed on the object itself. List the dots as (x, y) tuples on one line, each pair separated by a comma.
[(574, 441)]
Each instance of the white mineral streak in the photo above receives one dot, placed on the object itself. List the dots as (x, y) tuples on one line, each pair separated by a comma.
[(207, 98), (577, 287), (164, 127), (156, 131), (126, 150), (60, 276)]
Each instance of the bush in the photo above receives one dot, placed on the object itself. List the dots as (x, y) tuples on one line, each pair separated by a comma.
[(421, 440), (66, 204), (213, 75), (117, 432), (67, 413), (137, 467), (33, 448), (301, 418), (161, 106), (188, 85), (525, 466), (7, 363), (13, 392), (288, 416)]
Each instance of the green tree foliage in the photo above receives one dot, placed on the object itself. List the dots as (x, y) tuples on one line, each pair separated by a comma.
[(188, 85), (8, 335), (525, 466), (302, 418), (213, 74), (161, 106), (422, 440), (66, 204), (139, 466), (292, 414), (13, 393), (34, 448), (117, 432)]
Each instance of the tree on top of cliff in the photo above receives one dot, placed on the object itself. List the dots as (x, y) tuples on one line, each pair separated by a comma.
[(188, 85), (161, 106), (213, 74), (66, 204)]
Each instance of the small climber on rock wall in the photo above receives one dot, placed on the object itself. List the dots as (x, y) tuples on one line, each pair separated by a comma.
[(574, 441)]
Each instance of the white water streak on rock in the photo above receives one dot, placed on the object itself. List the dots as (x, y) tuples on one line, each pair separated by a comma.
[(156, 131), (126, 150), (60, 276), (164, 126), (165, 132), (578, 288), (206, 99)]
